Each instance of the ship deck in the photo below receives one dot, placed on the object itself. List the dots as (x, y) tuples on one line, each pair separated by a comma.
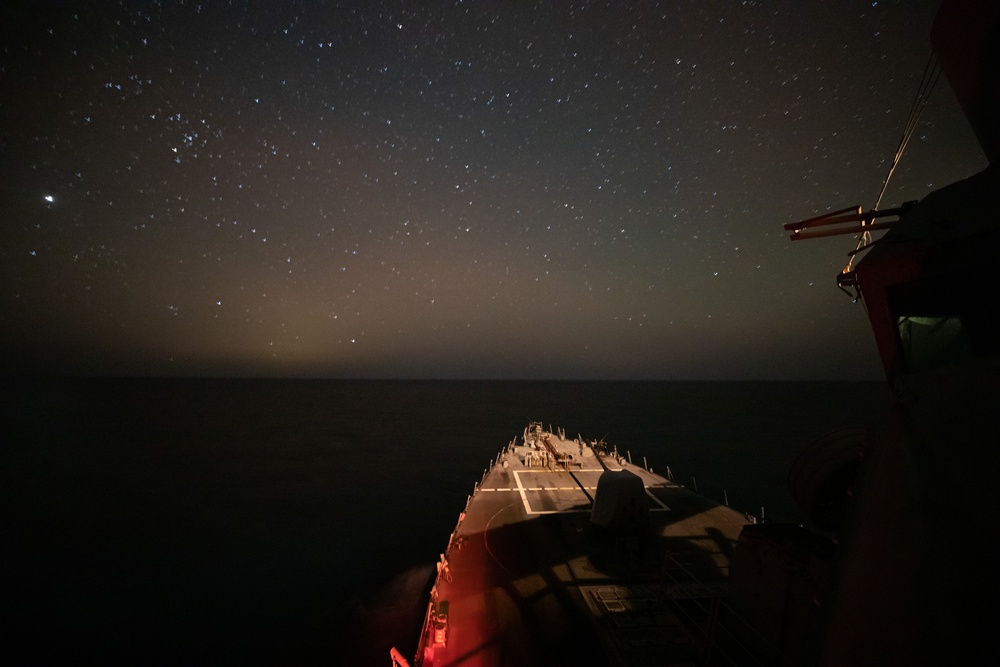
[(527, 580)]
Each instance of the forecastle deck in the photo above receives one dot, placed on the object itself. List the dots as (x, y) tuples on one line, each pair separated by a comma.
[(527, 579)]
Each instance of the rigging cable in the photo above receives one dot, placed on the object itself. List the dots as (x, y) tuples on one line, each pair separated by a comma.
[(932, 72)]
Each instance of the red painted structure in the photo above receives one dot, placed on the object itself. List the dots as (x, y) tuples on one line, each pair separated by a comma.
[(914, 579)]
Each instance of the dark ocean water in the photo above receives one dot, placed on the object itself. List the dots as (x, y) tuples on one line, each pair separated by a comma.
[(297, 521)]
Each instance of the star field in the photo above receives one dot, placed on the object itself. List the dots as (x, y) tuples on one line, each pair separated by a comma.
[(453, 189)]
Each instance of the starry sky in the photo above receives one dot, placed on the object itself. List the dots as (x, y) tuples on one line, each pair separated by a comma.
[(462, 189)]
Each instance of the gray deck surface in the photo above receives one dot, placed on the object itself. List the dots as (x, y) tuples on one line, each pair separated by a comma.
[(529, 581)]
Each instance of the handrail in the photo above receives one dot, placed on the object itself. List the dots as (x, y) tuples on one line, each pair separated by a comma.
[(844, 221), (397, 658)]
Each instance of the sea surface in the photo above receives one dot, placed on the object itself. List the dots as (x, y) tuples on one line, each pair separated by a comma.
[(210, 521)]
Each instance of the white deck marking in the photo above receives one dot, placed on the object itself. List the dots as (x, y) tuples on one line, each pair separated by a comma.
[(521, 489), (524, 498), (541, 488), (546, 470), (656, 500)]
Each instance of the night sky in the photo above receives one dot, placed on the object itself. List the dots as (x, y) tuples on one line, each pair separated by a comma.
[(452, 189)]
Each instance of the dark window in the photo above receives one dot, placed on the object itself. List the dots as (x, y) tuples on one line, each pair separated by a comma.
[(929, 342)]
